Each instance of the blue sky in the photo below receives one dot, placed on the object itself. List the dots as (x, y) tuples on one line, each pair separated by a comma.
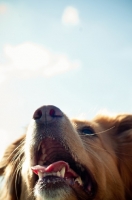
[(76, 55)]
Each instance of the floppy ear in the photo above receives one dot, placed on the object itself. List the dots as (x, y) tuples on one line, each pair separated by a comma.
[(10, 165), (125, 123), (124, 151)]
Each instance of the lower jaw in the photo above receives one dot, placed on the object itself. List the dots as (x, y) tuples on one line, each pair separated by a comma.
[(57, 189), (54, 191)]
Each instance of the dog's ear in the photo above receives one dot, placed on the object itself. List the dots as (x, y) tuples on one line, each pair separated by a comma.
[(125, 123), (124, 151), (11, 154), (10, 165)]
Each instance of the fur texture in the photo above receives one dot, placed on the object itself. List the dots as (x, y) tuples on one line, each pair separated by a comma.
[(98, 152)]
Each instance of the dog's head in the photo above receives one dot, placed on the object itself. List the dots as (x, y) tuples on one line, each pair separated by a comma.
[(64, 159)]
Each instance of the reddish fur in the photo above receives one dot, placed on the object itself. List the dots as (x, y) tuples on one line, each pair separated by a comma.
[(109, 158)]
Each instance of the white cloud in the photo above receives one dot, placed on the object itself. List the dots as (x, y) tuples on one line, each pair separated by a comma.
[(30, 60), (70, 16), (6, 139), (3, 8), (2, 76)]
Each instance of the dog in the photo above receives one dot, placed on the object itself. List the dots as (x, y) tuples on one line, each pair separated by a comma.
[(63, 159)]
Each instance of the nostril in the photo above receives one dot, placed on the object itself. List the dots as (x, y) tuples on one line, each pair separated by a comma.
[(47, 113), (37, 114), (55, 112), (52, 113)]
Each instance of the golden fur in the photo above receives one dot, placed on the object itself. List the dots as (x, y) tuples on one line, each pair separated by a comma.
[(105, 152)]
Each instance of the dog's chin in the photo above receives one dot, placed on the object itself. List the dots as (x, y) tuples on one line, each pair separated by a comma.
[(54, 188), (59, 176)]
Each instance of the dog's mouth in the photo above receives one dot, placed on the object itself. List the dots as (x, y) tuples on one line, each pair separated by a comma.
[(56, 167)]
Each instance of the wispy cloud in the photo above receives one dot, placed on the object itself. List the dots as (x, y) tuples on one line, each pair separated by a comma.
[(31, 60), (3, 8), (70, 16)]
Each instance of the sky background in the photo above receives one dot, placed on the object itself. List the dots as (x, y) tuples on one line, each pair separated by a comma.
[(76, 55)]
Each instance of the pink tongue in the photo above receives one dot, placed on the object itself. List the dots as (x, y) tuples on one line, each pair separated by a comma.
[(54, 167)]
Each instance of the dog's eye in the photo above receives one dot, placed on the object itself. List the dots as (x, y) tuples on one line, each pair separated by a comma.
[(87, 131)]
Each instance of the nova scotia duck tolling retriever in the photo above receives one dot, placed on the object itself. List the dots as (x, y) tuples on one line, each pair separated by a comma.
[(63, 159)]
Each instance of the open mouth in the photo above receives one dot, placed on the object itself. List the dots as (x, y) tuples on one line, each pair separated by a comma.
[(57, 167)]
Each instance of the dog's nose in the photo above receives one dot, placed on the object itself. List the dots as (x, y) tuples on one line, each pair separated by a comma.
[(47, 113)]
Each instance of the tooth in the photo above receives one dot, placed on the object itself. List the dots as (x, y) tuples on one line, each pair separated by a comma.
[(78, 179), (62, 172), (75, 158), (58, 174), (48, 174), (48, 181), (40, 174), (39, 146)]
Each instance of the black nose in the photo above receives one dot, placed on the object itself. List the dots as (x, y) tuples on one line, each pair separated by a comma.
[(47, 113)]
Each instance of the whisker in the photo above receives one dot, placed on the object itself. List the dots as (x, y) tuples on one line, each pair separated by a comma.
[(105, 131)]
